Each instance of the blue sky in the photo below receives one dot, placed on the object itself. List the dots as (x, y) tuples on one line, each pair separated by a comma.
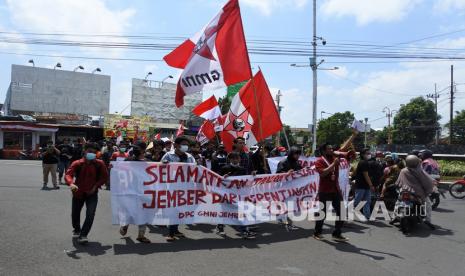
[(363, 88)]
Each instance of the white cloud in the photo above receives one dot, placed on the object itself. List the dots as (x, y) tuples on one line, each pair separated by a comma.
[(448, 5), (267, 7), (69, 16), (367, 11), (120, 97)]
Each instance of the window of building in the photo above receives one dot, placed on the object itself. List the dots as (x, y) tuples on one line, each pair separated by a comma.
[(17, 140)]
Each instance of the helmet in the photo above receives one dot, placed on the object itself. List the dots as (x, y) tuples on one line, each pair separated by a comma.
[(412, 161), (281, 149), (425, 154)]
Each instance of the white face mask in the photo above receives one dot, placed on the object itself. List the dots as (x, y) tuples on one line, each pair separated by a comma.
[(184, 148)]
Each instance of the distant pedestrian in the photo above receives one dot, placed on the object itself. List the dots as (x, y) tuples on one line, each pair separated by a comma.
[(85, 177), (66, 155), (50, 158)]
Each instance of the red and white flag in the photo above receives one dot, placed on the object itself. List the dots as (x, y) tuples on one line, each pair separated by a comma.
[(209, 109), (157, 137), (206, 133), (253, 114), (219, 123), (213, 58), (180, 130)]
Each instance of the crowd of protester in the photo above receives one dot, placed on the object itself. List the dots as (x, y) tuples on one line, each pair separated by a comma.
[(88, 165)]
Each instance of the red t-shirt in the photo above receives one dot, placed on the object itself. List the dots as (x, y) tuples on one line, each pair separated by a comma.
[(87, 178), (327, 184)]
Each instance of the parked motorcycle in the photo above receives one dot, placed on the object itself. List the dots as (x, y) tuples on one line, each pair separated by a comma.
[(457, 190), (26, 155), (409, 210)]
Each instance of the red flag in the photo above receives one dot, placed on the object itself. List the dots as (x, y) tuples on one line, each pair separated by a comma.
[(215, 57), (206, 132), (180, 130), (157, 137), (219, 123), (209, 109), (253, 114)]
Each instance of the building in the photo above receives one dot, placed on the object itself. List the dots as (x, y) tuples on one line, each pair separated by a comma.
[(35, 91), (157, 100)]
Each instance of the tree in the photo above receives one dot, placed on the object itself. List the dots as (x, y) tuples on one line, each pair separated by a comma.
[(415, 123), (282, 139), (381, 136), (459, 126), (335, 129)]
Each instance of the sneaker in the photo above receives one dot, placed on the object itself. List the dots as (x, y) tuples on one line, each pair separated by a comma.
[(83, 240), (56, 187), (220, 231), (143, 239), (170, 238), (340, 238), (318, 237), (248, 235), (76, 234), (123, 230)]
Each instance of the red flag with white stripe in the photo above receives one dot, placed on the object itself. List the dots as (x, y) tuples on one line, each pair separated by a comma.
[(180, 130), (215, 57), (253, 114), (206, 132), (209, 109)]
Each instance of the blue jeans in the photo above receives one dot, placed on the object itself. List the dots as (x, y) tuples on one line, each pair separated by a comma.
[(363, 195)]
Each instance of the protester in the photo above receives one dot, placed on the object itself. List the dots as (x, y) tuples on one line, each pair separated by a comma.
[(156, 152), (208, 152), (363, 183), (195, 150), (329, 193), (50, 158), (178, 155), (121, 154), (234, 168), (138, 155), (78, 149), (66, 154), (239, 147), (414, 179), (289, 165), (219, 158), (259, 160), (85, 177), (168, 145)]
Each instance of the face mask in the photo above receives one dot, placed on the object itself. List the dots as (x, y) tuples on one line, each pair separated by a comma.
[(122, 149), (90, 156), (282, 154), (184, 148), (368, 156)]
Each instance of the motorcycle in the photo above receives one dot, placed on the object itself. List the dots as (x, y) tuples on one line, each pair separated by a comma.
[(457, 190), (409, 210), (26, 155)]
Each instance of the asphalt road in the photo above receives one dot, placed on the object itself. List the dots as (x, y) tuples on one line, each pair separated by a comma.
[(35, 239)]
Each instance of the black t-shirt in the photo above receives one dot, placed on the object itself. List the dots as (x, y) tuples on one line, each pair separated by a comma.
[(232, 170), (49, 157), (360, 182), (66, 152)]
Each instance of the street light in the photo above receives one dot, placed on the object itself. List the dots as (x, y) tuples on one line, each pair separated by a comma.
[(58, 65), (79, 67), (32, 62), (163, 81), (324, 112), (148, 74), (96, 70)]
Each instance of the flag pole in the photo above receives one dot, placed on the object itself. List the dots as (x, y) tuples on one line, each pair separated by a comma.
[(252, 77)]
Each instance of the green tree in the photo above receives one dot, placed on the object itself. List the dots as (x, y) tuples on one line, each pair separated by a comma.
[(415, 123), (459, 127), (282, 139), (335, 129), (381, 136)]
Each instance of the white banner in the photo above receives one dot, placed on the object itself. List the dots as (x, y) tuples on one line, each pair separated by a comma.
[(344, 171), (176, 193)]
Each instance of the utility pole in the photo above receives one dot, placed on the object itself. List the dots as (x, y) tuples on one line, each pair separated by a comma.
[(366, 126), (389, 115), (278, 100), (435, 97), (451, 124), (314, 66)]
